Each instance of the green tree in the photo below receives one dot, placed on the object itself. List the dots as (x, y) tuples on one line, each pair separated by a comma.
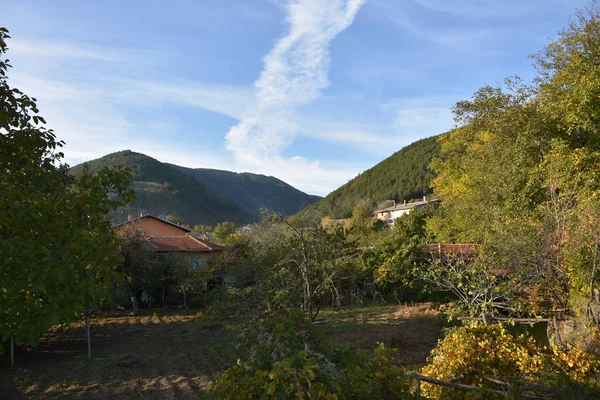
[(396, 260), (362, 218), (223, 230), (201, 229), (520, 176), (176, 220), (58, 251)]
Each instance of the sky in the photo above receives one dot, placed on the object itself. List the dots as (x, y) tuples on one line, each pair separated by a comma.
[(313, 92)]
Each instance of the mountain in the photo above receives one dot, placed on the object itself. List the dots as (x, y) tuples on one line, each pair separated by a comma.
[(163, 189), (404, 175), (200, 196), (252, 191)]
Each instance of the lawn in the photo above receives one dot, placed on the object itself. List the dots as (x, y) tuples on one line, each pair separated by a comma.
[(173, 355)]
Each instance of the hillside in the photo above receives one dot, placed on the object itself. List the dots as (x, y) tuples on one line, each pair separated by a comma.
[(402, 176), (252, 191), (163, 189)]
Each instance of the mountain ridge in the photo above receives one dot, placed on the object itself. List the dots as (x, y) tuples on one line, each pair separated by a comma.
[(163, 188)]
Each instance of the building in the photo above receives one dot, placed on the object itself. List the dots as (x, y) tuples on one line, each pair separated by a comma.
[(167, 237), (389, 214), (149, 225)]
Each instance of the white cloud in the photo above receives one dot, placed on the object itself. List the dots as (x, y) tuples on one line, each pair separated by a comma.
[(61, 50), (295, 73), (419, 117), (482, 8)]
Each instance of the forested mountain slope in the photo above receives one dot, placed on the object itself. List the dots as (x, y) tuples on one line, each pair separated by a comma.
[(163, 189), (252, 191), (404, 175)]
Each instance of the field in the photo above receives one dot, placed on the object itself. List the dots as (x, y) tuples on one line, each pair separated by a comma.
[(174, 355)]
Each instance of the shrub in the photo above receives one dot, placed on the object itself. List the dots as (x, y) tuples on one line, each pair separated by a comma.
[(474, 353), (292, 361)]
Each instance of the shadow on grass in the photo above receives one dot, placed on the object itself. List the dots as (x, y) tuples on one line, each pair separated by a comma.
[(413, 330), (147, 356)]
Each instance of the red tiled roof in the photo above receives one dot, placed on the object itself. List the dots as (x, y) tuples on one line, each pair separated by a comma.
[(181, 243), (153, 217)]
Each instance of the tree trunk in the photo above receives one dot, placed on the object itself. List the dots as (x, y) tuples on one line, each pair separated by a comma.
[(134, 304)]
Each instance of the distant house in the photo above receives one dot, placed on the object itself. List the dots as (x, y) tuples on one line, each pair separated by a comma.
[(149, 225), (167, 237), (389, 214)]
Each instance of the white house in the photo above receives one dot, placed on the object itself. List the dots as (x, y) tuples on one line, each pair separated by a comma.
[(389, 214)]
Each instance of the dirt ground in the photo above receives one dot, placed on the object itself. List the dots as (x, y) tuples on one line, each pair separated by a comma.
[(173, 355)]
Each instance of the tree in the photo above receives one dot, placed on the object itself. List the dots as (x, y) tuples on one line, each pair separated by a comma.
[(201, 229), (520, 176), (280, 265), (223, 230), (58, 251), (397, 259), (176, 220), (362, 218)]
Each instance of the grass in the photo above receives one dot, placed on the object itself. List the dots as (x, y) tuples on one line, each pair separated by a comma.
[(413, 329), (174, 355)]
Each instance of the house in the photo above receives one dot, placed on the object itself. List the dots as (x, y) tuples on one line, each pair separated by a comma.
[(167, 237), (149, 225), (200, 252), (389, 214)]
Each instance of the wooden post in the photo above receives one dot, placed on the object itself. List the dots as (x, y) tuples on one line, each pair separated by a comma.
[(88, 335), (418, 389), (12, 351)]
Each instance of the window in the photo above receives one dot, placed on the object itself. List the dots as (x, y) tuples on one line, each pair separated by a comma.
[(196, 262)]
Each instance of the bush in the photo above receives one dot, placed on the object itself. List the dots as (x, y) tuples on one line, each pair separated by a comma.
[(474, 353), (292, 361)]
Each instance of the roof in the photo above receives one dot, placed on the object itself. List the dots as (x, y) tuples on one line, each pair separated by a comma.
[(459, 249), (407, 206), (153, 217), (181, 243)]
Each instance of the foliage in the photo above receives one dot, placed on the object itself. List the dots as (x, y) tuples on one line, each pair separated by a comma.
[(404, 175), (176, 220), (361, 220), (253, 192), (520, 176), (474, 353), (163, 189), (284, 264), (57, 247), (291, 361), (201, 229), (397, 258), (223, 231)]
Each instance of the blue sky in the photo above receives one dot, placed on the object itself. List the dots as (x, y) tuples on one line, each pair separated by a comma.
[(310, 91)]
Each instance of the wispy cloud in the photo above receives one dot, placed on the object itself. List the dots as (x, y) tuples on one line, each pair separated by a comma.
[(295, 73), (419, 117), (61, 50), (482, 8)]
